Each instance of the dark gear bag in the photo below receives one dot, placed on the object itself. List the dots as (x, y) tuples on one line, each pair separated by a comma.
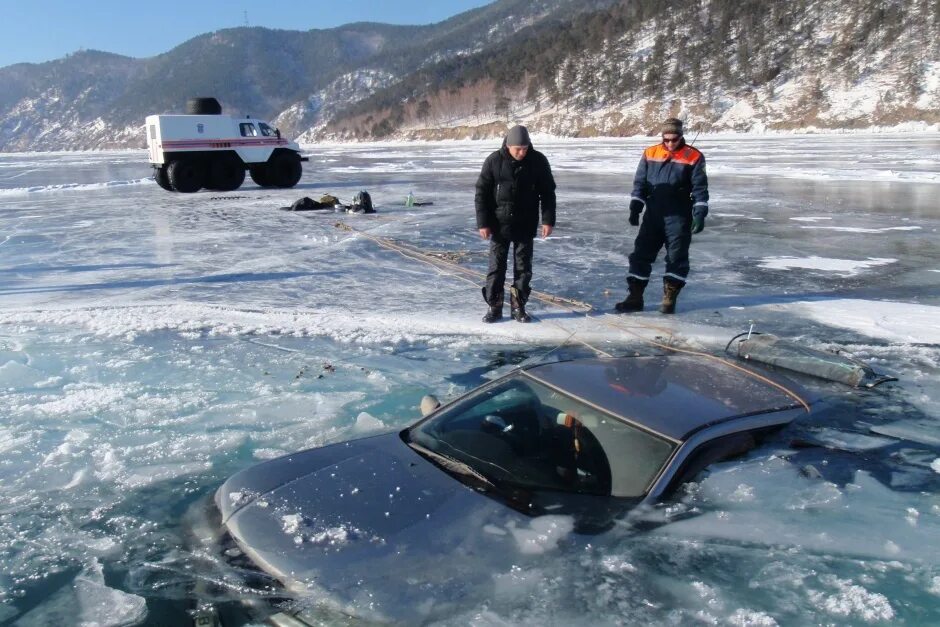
[(362, 203), (305, 204)]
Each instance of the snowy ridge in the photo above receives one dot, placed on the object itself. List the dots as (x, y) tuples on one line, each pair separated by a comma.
[(901, 323), (808, 65), (72, 187), (383, 328)]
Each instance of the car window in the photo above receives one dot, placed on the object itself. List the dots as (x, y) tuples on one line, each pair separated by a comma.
[(522, 432), (266, 130), (248, 129), (714, 451)]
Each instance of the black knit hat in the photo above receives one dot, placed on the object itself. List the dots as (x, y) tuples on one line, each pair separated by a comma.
[(518, 136), (672, 126)]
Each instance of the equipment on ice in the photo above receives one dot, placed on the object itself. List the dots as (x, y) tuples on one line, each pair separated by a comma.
[(307, 204), (839, 367), (205, 148), (362, 203)]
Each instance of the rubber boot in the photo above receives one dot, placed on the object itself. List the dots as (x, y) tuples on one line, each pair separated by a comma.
[(671, 289), (634, 299), (493, 314), (495, 311), (517, 307)]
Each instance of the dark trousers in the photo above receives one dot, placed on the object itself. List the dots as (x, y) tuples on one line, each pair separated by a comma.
[(496, 274), (675, 233)]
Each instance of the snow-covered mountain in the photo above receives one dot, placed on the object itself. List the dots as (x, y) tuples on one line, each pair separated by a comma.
[(567, 67), (721, 65), (94, 99)]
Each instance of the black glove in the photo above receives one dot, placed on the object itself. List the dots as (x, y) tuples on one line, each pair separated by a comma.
[(698, 225), (636, 207)]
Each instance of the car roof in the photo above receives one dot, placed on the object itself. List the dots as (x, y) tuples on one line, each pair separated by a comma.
[(672, 395)]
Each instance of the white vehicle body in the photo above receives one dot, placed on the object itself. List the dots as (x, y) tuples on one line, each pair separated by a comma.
[(253, 140), (214, 151)]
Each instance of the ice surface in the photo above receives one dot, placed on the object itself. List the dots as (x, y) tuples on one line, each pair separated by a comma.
[(844, 267), (892, 321), (543, 534), (152, 344), (87, 601)]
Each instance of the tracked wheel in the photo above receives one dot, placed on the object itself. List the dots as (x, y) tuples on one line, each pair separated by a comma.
[(284, 169), (259, 174), (226, 174), (186, 175), (162, 178)]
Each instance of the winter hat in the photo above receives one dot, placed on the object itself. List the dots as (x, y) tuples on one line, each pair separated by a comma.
[(518, 136), (672, 126)]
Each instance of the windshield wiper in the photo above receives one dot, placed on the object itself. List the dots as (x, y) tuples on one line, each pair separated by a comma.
[(452, 464)]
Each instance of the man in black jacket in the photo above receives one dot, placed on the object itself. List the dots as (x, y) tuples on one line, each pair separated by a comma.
[(515, 184)]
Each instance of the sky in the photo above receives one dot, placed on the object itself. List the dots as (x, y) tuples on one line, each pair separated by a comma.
[(43, 30)]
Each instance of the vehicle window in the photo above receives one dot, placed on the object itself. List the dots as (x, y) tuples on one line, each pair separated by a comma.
[(153, 131), (248, 129), (266, 130), (526, 434), (709, 453)]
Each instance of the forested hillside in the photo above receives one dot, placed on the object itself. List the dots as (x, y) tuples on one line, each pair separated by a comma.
[(567, 67), (722, 64)]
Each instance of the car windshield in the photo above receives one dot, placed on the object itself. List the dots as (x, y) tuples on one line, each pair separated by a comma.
[(523, 433), (266, 130)]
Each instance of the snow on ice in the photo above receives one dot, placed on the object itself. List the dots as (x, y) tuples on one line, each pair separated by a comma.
[(152, 344)]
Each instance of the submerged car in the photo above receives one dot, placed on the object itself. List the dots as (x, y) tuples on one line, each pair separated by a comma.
[(407, 527)]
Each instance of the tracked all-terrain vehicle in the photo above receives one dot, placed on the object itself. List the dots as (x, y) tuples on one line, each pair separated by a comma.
[(207, 149)]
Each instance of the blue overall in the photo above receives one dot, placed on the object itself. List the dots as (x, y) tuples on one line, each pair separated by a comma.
[(673, 187)]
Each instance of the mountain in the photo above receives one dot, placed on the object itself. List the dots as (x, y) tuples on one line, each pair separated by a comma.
[(569, 67), (94, 99), (740, 65)]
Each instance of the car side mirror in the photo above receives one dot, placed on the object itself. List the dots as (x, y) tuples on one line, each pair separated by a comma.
[(428, 404)]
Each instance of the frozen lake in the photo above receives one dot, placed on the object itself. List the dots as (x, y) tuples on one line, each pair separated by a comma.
[(151, 344)]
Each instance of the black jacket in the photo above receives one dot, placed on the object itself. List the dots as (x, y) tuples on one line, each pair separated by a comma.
[(510, 193)]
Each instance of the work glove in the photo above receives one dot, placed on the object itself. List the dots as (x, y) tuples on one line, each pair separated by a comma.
[(636, 207), (698, 225)]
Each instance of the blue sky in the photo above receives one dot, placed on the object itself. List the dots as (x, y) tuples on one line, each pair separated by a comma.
[(42, 30)]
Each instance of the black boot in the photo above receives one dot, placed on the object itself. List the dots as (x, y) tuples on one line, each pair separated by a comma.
[(671, 289), (495, 312), (634, 299), (517, 307)]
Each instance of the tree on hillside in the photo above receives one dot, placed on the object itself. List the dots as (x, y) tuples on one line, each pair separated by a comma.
[(424, 110), (501, 106)]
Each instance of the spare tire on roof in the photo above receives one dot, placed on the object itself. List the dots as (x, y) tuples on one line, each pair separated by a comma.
[(203, 106)]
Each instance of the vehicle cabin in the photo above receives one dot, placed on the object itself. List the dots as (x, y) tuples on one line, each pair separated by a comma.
[(210, 150)]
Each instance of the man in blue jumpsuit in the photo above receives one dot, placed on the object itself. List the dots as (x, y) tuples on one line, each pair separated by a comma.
[(672, 187)]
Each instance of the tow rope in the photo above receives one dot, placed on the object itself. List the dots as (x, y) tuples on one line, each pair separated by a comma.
[(443, 263), (447, 266)]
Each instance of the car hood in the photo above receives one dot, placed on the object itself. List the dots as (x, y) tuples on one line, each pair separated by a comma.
[(379, 531)]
